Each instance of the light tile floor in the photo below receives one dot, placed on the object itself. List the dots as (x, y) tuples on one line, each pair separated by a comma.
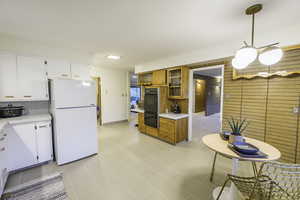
[(134, 166)]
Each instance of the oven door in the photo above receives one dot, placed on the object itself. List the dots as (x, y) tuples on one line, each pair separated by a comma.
[(151, 103), (151, 119)]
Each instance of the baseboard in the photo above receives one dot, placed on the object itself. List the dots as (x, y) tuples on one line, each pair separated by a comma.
[(115, 122)]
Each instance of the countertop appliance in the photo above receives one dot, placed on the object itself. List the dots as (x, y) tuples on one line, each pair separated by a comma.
[(151, 107), (73, 107), (176, 108), (11, 111)]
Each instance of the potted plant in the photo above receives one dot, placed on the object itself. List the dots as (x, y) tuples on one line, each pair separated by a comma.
[(237, 128)]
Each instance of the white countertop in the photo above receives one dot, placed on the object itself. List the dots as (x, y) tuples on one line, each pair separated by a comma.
[(24, 119), (174, 115), (138, 110)]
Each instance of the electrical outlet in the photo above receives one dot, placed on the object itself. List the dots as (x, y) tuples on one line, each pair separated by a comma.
[(296, 110)]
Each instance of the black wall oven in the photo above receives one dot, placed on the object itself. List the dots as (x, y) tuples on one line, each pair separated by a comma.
[(151, 107)]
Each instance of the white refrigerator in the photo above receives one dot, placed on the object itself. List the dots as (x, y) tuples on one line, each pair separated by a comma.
[(73, 107)]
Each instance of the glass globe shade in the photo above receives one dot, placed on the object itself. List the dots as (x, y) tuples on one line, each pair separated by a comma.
[(270, 56), (247, 54), (239, 63)]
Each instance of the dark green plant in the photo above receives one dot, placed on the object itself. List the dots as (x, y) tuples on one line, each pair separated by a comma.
[(237, 126)]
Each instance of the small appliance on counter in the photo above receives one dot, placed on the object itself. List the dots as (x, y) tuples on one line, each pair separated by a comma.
[(176, 108), (11, 111)]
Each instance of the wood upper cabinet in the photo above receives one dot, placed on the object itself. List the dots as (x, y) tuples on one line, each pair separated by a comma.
[(58, 69), (178, 79), (145, 79), (159, 77)]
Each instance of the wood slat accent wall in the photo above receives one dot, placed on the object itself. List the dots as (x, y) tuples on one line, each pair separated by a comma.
[(268, 104), (232, 97)]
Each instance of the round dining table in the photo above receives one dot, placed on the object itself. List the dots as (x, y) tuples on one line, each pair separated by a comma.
[(220, 146)]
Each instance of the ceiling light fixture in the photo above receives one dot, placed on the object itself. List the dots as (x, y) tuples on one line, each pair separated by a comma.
[(112, 57), (268, 55)]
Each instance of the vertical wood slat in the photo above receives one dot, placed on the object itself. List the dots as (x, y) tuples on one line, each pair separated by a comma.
[(268, 105), (254, 98), (232, 97), (281, 122)]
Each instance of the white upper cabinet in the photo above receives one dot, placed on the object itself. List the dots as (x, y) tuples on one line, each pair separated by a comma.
[(32, 79), (80, 72), (58, 69), (8, 77)]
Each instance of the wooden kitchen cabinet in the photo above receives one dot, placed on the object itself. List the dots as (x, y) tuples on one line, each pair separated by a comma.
[(151, 131), (159, 77), (142, 127), (58, 69), (178, 79), (173, 131), (145, 79)]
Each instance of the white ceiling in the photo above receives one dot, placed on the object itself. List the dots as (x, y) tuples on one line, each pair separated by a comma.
[(210, 72), (141, 31)]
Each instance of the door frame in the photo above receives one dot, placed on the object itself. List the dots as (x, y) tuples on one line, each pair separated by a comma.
[(97, 80), (191, 96)]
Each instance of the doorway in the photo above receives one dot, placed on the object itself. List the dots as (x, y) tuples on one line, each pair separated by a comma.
[(205, 105), (98, 101)]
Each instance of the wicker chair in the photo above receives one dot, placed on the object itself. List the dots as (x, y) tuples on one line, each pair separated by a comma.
[(275, 181)]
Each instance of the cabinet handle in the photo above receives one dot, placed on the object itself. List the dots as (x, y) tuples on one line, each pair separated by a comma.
[(27, 96), (4, 134), (1, 139), (2, 149), (65, 75), (43, 126), (9, 97)]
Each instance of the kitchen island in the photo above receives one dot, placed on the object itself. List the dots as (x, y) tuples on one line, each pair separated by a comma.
[(172, 128)]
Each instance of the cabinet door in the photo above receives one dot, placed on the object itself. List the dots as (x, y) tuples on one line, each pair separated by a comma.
[(58, 69), (167, 130), (8, 77), (3, 160), (44, 141), (32, 79), (159, 77), (142, 127), (80, 72), (23, 140)]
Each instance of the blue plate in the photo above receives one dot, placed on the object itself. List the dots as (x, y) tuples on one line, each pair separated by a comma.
[(245, 148)]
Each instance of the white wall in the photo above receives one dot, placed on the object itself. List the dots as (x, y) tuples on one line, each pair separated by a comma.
[(114, 93)]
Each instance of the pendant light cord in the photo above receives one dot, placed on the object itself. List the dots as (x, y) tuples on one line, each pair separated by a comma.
[(252, 37)]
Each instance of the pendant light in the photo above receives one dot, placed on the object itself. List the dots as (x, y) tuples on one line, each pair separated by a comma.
[(269, 54)]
